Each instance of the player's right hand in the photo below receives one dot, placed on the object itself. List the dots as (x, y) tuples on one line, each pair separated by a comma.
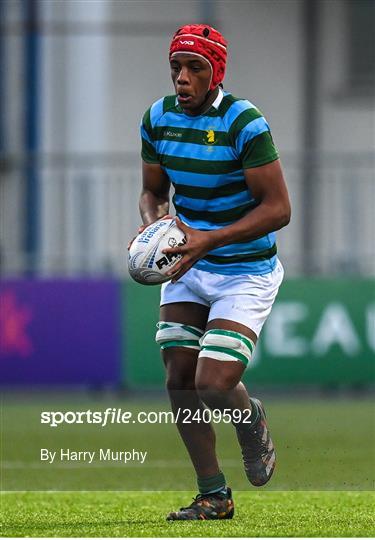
[(142, 228)]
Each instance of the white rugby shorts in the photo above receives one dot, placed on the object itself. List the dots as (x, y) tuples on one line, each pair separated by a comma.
[(246, 299)]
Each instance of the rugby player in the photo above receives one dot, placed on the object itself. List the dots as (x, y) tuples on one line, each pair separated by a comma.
[(230, 196)]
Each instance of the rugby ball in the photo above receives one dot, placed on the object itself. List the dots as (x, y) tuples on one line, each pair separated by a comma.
[(147, 263)]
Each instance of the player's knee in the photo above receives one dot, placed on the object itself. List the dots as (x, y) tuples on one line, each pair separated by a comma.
[(212, 392), (179, 381), (229, 348), (211, 384), (180, 347)]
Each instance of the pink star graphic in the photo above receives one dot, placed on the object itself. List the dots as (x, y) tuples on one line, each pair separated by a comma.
[(14, 319)]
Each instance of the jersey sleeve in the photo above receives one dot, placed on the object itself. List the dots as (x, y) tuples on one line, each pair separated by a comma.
[(253, 140), (148, 153)]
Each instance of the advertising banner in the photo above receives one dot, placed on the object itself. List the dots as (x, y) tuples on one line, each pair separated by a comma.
[(320, 332), (60, 332)]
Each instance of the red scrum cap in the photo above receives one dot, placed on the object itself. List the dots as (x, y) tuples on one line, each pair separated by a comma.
[(202, 40)]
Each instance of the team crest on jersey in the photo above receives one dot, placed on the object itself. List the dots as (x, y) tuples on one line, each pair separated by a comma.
[(210, 138)]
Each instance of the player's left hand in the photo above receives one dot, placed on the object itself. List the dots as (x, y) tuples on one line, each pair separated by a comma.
[(198, 244)]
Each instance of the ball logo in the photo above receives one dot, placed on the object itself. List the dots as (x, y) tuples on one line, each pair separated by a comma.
[(186, 42), (150, 233), (169, 257)]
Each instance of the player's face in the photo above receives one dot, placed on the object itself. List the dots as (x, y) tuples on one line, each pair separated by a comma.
[(191, 77)]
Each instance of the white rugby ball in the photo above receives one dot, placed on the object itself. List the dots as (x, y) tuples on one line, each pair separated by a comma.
[(147, 263)]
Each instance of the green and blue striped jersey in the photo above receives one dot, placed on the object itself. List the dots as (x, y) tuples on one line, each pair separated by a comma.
[(205, 157)]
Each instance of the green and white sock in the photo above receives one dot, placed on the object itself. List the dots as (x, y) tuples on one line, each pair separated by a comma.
[(212, 484)]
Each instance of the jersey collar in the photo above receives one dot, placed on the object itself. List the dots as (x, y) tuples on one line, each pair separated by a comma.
[(218, 99)]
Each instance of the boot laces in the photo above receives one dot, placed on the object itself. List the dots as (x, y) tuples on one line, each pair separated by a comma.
[(200, 497)]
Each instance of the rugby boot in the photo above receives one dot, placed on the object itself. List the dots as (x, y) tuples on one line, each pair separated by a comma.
[(210, 506), (257, 448)]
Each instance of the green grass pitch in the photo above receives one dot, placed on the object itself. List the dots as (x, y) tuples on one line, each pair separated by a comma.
[(115, 514), (323, 483)]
